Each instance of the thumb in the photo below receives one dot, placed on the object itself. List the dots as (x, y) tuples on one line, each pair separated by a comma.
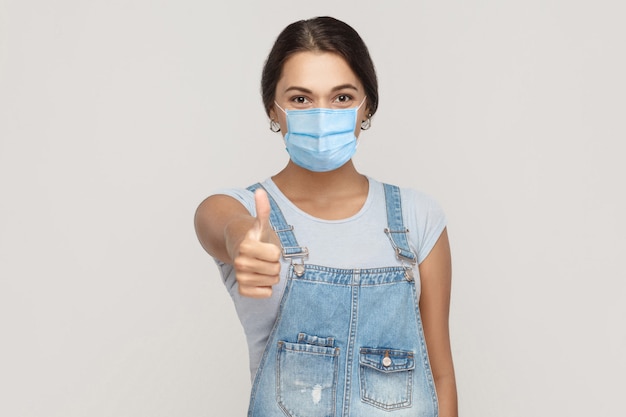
[(262, 225)]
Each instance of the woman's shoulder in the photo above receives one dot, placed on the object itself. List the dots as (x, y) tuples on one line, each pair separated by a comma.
[(425, 218), (420, 199), (241, 194), (411, 197)]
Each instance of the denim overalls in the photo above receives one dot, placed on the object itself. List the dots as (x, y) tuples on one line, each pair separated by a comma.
[(346, 342)]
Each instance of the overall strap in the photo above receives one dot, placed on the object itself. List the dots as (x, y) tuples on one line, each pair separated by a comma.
[(288, 241), (395, 230)]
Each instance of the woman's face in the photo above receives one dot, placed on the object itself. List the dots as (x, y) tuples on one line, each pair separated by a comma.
[(317, 79)]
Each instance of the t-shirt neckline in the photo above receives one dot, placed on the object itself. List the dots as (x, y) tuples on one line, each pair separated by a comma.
[(284, 203)]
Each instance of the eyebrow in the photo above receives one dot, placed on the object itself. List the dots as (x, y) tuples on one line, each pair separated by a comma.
[(337, 88)]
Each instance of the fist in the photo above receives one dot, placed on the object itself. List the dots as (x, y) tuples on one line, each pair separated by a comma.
[(257, 264)]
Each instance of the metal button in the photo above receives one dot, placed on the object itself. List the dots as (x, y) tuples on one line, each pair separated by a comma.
[(298, 269), (386, 359)]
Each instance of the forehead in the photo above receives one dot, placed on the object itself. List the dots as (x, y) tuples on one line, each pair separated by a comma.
[(316, 71)]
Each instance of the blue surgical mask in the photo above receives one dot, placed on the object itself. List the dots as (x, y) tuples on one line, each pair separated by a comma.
[(319, 139)]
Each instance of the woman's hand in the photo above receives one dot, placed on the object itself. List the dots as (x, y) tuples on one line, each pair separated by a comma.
[(256, 258), (229, 233)]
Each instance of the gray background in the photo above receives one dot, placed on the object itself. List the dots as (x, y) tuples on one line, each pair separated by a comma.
[(118, 117)]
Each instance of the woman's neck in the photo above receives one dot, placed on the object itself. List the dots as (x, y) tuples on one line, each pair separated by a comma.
[(329, 195)]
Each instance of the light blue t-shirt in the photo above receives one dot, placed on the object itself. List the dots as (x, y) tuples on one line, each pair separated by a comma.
[(355, 242)]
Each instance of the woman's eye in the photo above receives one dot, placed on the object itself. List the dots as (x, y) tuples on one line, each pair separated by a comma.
[(343, 98), (300, 100)]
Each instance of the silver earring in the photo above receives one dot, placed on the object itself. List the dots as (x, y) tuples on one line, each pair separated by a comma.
[(367, 123), (274, 126)]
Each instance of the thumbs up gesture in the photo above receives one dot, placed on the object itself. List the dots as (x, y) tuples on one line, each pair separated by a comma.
[(257, 263)]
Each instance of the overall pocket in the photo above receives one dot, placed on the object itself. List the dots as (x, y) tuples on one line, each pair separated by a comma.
[(386, 377), (306, 379)]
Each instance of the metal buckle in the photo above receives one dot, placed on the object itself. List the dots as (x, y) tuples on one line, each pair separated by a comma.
[(402, 257), (288, 229), (298, 268), (388, 230), (411, 261), (303, 254)]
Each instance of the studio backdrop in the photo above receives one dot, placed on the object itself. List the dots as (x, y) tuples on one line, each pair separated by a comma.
[(117, 118)]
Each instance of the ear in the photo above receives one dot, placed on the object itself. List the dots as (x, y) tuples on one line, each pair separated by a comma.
[(272, 114), (367, 114), (367, 110)]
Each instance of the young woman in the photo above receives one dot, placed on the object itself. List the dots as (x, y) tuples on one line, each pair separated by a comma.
[(341, 283)]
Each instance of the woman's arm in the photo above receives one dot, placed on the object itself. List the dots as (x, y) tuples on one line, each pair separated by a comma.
[(229, 233), (436, 276)]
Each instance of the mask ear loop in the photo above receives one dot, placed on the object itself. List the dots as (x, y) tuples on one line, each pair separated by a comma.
[(278, 105), (367, 123), (274, 125), (361, 105)]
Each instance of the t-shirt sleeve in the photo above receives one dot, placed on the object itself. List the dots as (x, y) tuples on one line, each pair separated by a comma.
[(245, 197), (426, 221)]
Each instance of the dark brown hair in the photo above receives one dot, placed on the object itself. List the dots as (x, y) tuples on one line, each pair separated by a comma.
[(325, 34)]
